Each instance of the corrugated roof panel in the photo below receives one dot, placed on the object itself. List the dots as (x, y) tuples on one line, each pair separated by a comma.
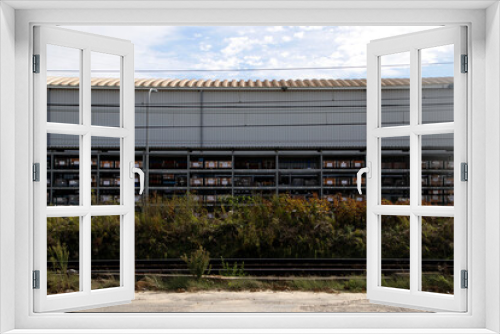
[(208, 83)]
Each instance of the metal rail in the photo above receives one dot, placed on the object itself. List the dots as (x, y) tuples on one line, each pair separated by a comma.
[(271, 266)]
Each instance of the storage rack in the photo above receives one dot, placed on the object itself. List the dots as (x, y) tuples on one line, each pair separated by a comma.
[(302, 174)]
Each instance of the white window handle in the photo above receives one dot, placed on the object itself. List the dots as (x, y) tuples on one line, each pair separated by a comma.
[(134, 170), (368, 171)]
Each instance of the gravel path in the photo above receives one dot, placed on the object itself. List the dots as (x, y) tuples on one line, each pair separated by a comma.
[(261, 301)]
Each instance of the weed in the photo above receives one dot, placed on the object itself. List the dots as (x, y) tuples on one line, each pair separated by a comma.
[(198, 262), (228, 270), (396, 281), (59, 277)]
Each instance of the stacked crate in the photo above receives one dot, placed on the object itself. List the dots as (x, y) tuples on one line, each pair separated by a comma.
[(168, 180), (329, 164), (107, 164), (196, 181), (225, 181), (211, 198), (74, 181), (198, 164), (329, 181), (211, 164), (211, 181), (343, 164), (107, 181), (61, 162), (225, 164)]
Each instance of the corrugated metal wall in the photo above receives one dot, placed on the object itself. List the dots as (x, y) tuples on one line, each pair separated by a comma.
[(250, 118)]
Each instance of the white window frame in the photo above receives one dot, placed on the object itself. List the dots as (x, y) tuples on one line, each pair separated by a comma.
[(413, 44), (86, 44), (483, 308)]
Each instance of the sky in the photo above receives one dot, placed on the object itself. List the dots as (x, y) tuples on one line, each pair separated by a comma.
[(242, 52)]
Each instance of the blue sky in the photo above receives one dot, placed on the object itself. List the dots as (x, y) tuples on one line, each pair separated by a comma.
[(214, 48)]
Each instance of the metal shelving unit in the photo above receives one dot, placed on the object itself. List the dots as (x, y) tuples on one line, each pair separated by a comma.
[(280, 179)]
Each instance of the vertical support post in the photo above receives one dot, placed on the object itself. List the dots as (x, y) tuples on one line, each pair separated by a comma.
[(188, 185), (277, 174), (201, 119), (51, 166), (321, 174), (98, 175), (232, 173), (147, 155)]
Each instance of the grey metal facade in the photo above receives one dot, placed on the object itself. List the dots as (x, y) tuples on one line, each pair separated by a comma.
[(236, 118)]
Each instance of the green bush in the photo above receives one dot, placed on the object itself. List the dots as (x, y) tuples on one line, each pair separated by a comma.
[(280, 227)]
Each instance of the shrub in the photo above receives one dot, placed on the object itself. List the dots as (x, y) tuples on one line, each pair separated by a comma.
[(198, 262), (279, 227)]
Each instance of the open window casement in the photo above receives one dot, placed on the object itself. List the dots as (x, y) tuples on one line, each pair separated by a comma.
[(67, 263), (416, 124)]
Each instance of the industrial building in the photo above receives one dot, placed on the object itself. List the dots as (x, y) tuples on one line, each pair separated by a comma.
[(213, 138)]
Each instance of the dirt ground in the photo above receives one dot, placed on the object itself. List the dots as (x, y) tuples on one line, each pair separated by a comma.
[(261, 301)]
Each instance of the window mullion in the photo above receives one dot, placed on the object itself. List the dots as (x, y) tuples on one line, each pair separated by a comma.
[(85, 246), (85, 167), (415, 163)]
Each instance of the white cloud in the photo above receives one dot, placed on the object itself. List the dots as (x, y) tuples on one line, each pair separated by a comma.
[(236, 45), (299, 35), (205, 47), (253, 60), (275, 29), (273, 62), (268, 39), (311, 28), (286, 38)]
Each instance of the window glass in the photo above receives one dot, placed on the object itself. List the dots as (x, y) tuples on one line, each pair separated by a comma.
[(63, 255), (437, 170), (105, 71), (63, 71), (437, 66), (395, 171), (395, 89), (395, 250), (63, 169), (106, 238), (437, 254)]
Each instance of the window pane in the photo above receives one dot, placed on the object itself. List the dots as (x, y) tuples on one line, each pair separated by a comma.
[(63, 255), (437, 254), (395, 86), (395, 171), (437, 84), (395, 249), (437, 170), (63, 169), (105, 71), (105, 252), (106, 171), (63, 71)]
